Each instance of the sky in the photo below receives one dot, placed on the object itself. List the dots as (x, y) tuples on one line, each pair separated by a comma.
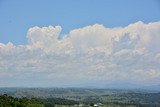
[(85, 43)]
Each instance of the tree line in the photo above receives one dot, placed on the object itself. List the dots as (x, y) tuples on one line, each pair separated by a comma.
[(9, 101)]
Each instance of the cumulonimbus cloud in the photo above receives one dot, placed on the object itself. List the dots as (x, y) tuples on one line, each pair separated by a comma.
[(92, 53)]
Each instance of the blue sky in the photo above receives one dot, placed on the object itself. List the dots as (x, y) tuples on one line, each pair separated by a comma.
[(18, 16), (105, 44)]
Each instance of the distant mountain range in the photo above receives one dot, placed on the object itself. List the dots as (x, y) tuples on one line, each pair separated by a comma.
[(67, 92)]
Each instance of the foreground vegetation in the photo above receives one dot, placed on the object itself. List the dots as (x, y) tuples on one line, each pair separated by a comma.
[(9, 101)]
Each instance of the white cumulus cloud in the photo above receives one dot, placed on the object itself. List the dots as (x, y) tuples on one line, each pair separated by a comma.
[(92, 54)]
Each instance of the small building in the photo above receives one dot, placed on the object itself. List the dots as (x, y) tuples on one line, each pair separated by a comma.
[(95, 105), (98, 104)]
